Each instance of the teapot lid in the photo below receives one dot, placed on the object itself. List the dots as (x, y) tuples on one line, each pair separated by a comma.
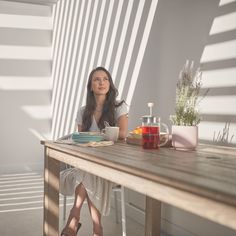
[(147, 119)]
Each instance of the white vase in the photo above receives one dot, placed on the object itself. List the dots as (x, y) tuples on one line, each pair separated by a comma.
[(184, 137)]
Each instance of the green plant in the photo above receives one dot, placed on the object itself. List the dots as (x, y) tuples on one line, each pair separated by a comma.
[(188, 96)]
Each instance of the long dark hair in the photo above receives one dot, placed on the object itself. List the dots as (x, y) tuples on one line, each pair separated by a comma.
[(108, 112)]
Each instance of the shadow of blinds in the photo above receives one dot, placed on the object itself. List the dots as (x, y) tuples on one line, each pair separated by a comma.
[(219, 72), (25, 73), (92, 33)]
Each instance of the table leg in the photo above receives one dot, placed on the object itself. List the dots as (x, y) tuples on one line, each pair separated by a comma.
[(152, 217), (51, 196)]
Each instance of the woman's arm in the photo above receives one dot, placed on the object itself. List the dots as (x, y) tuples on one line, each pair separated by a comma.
[(123, 124)]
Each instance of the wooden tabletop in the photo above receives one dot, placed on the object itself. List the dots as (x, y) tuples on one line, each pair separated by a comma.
[(209, 172)]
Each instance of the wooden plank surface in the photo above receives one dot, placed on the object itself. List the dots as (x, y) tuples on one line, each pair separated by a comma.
[(207, 173)]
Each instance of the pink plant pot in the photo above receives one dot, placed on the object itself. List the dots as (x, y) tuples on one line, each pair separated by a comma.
[(185, 137)]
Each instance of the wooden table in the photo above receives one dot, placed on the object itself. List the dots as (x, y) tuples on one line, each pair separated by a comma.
[(202, 182)]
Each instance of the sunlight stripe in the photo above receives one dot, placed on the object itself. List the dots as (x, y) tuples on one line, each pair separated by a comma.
[(21, 209), (25, 52), (223, 105), (38, 111), (28, 208), (20, 174), (21, 184), (34, 196), (224, 23), (37, 83), (24, 203), (219, 52), (224, 2), (213, 78), (141, 51), (15, 189), (19, 193), (21, 179), (20, 203), (20, 198), (40, 135), (25, 22)]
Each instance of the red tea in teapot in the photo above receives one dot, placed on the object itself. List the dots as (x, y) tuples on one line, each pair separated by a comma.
[(150, 137), (151, 130)]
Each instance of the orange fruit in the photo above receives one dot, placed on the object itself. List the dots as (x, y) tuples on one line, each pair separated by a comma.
[(137, 130)]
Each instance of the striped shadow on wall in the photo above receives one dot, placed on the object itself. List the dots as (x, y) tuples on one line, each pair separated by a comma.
[(91, 33), (219, 72), (25, 71)]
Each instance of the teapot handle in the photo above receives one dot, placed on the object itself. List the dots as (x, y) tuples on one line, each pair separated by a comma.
[(167, 133)]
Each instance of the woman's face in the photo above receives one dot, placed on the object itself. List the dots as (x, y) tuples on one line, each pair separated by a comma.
[(100, 84)]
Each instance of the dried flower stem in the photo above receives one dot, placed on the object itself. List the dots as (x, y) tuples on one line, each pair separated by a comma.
[(187, 96)]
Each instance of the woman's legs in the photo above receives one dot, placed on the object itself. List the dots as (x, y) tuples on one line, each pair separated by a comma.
[(74, 217), (96, 218)]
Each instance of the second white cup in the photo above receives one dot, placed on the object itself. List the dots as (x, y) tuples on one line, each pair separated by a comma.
[(111, 133)]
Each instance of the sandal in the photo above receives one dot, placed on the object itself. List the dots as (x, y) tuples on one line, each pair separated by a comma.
[(98, 231), (67, 231)]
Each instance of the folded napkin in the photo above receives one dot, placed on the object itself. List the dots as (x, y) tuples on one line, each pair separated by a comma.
[(96, 144)]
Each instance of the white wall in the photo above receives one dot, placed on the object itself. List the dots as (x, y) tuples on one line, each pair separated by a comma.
[(25, 70)]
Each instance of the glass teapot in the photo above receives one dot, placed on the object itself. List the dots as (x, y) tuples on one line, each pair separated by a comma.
[(154, 133)]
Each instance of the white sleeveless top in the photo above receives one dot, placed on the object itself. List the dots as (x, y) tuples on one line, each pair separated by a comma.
[(119, 111)]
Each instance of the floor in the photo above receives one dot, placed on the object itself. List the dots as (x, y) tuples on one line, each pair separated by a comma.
[(21, 211)]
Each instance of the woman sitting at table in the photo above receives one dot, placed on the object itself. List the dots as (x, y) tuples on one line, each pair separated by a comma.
[(101, 105)]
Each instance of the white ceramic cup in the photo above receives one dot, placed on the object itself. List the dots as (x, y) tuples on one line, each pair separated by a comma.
[(111, 133)]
